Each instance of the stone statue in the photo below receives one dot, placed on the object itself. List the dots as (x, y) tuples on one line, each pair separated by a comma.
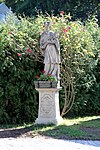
[(50, 44)]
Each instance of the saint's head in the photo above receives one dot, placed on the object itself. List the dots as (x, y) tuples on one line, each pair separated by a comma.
[(47, 25)]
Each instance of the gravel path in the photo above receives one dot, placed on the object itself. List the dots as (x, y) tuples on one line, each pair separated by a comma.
[(42, 143)]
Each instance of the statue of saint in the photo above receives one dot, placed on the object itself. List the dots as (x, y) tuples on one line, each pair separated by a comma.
[(50, 44)]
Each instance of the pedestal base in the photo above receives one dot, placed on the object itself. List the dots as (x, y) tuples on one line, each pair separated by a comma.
[(48, 112), (48, 120)]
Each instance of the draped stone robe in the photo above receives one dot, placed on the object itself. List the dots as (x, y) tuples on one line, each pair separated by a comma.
[(50, 44)]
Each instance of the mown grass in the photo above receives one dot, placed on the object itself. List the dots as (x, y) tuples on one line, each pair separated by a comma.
[(79, 128)]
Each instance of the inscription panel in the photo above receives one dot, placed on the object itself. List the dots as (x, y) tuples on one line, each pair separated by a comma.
[(47, 106)]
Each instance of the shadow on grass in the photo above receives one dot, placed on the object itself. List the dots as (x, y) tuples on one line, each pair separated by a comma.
[(15, 132), (85, 130)]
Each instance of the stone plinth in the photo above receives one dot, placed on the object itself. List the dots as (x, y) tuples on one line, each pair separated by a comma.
[(48, 112)]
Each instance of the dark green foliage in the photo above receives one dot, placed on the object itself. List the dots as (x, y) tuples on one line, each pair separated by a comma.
[(80, 9), (87, 101), (17, 93), (19, 65), (18, 69)]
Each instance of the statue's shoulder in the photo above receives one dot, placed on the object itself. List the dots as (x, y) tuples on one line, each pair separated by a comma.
[(43, 33), (51, 32)]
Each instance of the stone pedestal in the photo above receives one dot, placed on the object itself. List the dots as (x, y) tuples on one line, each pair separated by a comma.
[(48, 112)]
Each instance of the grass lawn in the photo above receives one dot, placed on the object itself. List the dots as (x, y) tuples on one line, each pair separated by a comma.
[(79, 128)]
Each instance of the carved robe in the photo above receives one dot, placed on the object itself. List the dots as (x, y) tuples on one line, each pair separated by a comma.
[(50, 44)]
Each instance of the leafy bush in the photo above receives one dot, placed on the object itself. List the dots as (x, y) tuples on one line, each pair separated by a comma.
[(17, 71), (21, 60), (87, 101)]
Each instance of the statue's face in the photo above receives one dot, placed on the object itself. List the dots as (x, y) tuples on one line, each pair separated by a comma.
[(47, 24)]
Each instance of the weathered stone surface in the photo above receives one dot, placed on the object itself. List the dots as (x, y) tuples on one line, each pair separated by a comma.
[(48, 112), (45, 84), (49, 43)]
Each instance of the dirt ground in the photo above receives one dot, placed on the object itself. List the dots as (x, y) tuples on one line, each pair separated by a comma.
[(16, 132)]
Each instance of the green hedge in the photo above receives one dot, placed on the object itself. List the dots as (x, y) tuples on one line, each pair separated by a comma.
[(21, 60), (78, 8), (18, 69)]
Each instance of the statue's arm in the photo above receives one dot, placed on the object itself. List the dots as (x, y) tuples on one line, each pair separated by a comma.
[(55, 41), (43, 42), (43, 45)]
